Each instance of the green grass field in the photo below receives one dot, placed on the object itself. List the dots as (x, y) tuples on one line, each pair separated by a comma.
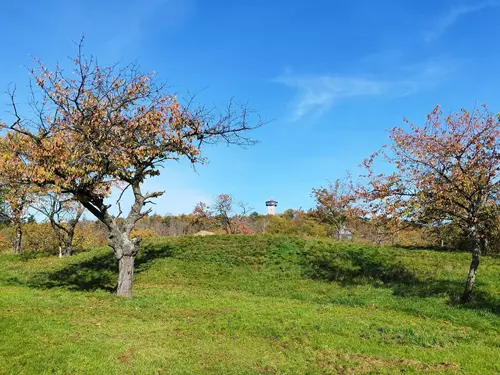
[(250, 305)]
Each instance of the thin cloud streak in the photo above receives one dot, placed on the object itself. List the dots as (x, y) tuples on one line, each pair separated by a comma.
[(453, 16), (317, 94)]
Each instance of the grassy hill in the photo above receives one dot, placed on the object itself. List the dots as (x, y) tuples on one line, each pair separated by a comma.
[(250, 305)]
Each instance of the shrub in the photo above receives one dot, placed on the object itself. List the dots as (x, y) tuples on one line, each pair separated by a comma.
[(144, 233)]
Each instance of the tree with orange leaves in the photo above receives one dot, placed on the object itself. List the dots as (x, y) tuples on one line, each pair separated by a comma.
[(95, 128), (445, 171)]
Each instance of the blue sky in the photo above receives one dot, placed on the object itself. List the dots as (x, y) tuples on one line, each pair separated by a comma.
[(331, 76)]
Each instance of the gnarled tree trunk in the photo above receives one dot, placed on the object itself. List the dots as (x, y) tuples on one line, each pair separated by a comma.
[(68, 247), (125, 276), (476, 254), (65, 239), (125, 251), (67, 250), (125, 247)]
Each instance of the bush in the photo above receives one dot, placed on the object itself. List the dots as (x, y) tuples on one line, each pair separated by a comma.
[(37, 238), (144, 233), (90, 234), (40, 238), (300, 225)]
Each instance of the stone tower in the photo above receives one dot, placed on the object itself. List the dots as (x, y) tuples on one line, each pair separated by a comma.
[(271, 207)]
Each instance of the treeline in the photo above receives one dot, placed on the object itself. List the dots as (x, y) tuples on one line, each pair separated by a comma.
[(223, 217)]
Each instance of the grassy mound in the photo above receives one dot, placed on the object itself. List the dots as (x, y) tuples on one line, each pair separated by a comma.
[(250, 305)]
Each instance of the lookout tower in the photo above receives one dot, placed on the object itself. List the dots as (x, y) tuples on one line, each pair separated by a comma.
[(271, 207)]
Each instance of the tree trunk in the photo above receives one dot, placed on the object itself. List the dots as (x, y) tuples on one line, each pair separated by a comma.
[(67, 250), (18, 238), (125, 250), (485, 246), (229, 227), (126, 275), (124, 247), (471, 278), (68, 247), (337, 227), (64, 237)]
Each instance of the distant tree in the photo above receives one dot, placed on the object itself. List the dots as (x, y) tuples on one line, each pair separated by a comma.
[(223, 210), (158, 224), (335, 203), (202, 217), (63, 214), (15, 196), (446, 171), (95, 127), (223, 214), (203, 210), (176, 225), (14, 211), (290, 213), (227, 216)]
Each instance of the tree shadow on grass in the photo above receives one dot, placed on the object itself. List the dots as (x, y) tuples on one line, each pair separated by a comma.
[(98, 273), (350, 268), (438, 249), (347, 267)]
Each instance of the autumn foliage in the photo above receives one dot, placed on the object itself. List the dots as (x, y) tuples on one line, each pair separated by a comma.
[(223, 214), (95, 127), (446, 171), (335, 204)]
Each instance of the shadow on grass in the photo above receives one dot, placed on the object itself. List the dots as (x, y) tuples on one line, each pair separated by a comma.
[(97, 273), (439, 249), (351, 268), (348, 266)]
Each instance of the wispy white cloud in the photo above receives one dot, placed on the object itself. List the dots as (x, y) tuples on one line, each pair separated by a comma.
[(316, 94), (453, 16)]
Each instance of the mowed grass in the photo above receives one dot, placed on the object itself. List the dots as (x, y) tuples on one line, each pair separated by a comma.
[(250, 305)]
